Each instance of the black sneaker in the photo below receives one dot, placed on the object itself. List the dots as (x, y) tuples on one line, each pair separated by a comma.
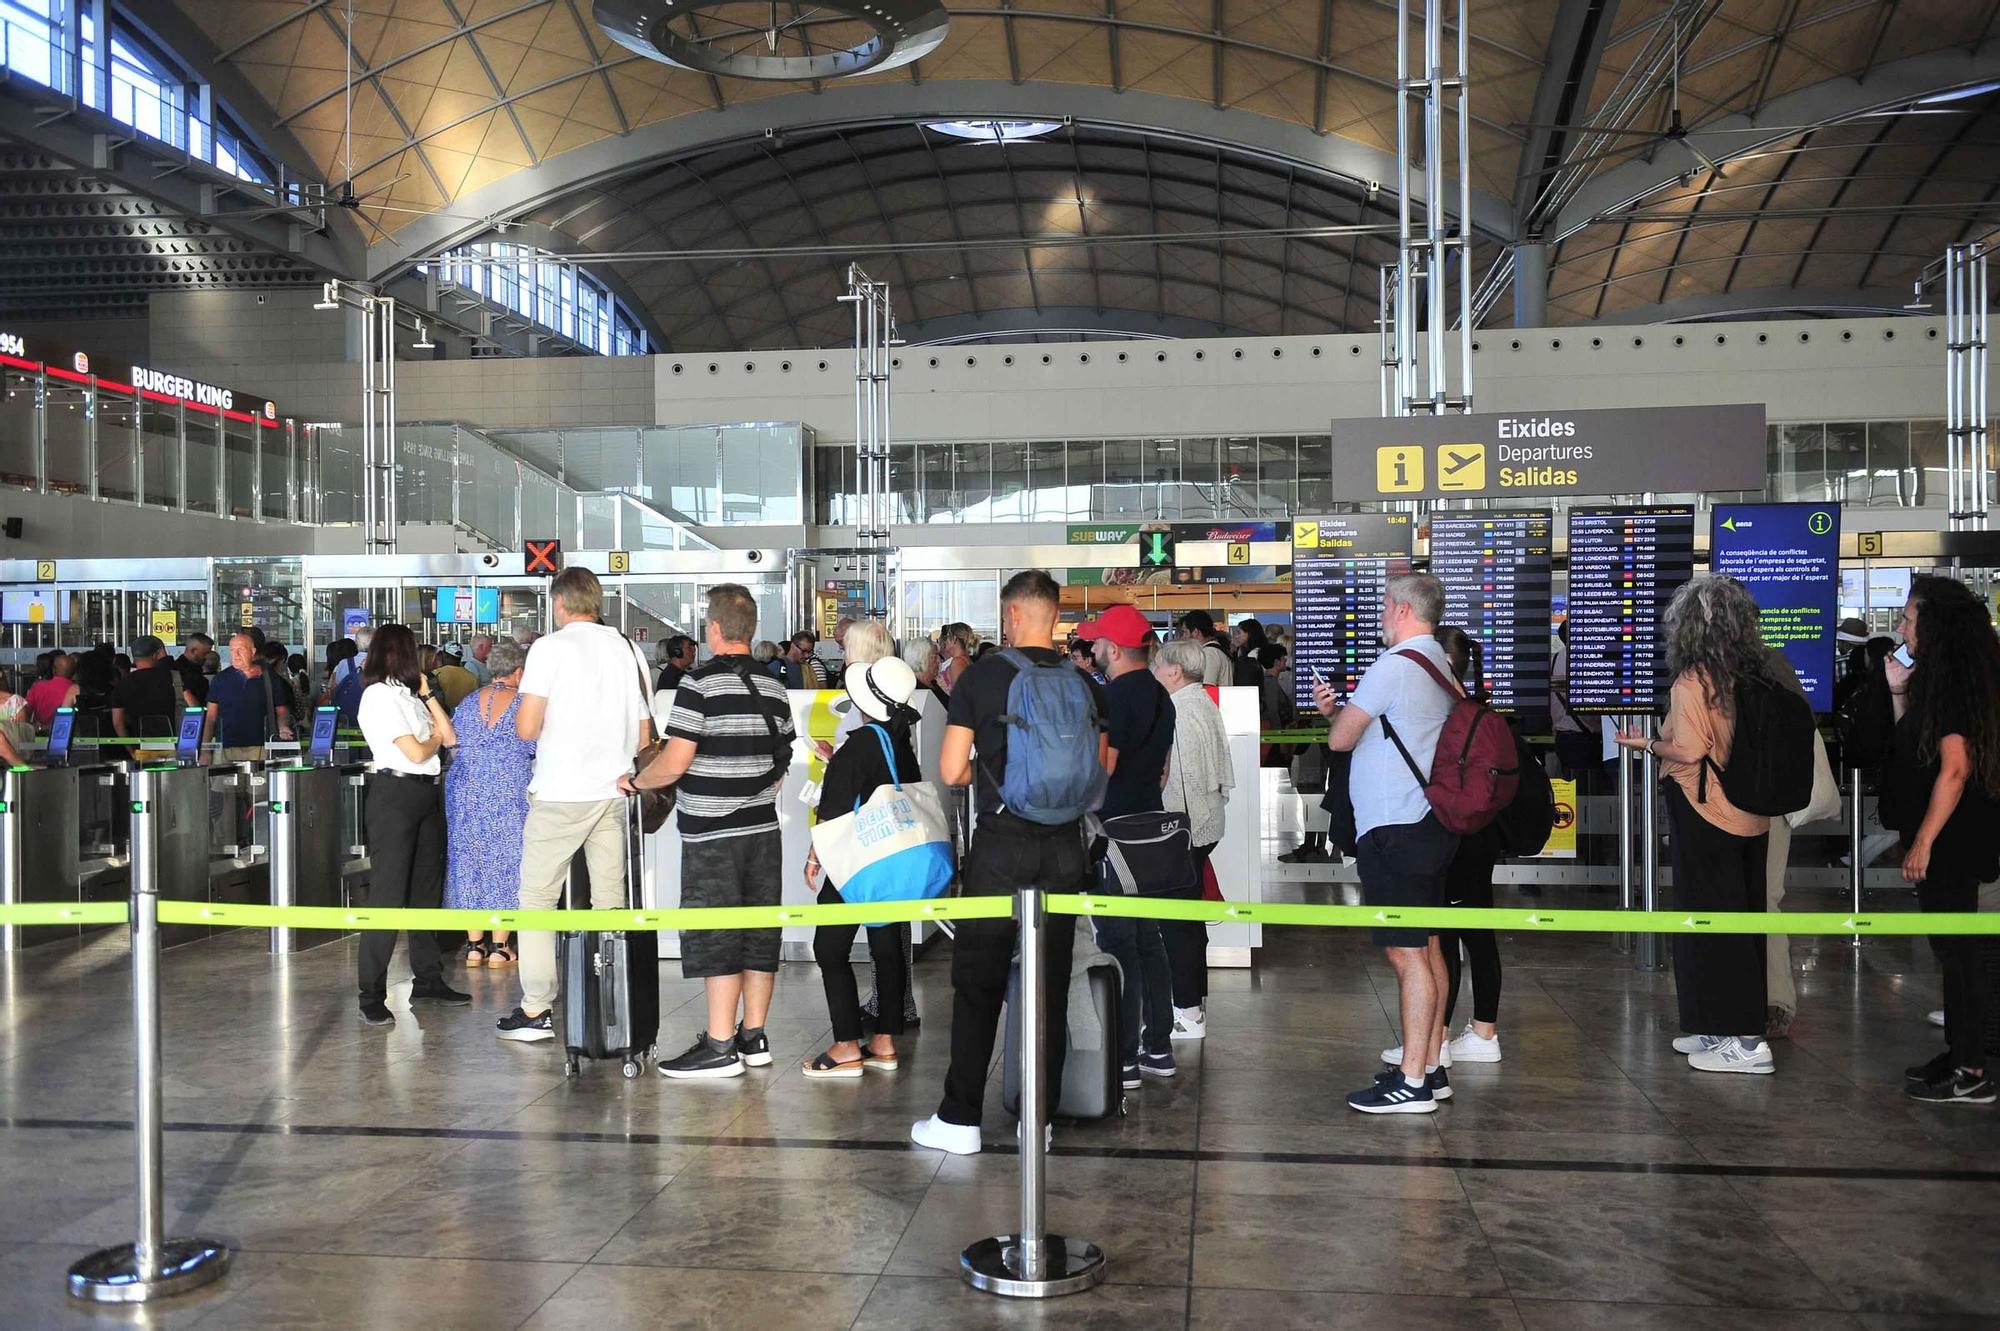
[(1394, 1097), (1961, 1088), (518, 1025), (1129, 1078), (1938, 1069), (1302, 855), (705, 1058), (437, 991), (754, 1046), (377, 1014)]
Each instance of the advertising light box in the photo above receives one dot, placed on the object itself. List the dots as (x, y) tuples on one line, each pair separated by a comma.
[(1788, 555)]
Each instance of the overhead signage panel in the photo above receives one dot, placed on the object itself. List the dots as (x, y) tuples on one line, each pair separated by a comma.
[(1497, 571), (1788, 555), (1341, 564), (1522, 455), (1625, 564), (143, 378)]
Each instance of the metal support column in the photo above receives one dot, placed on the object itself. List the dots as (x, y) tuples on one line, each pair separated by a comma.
[(153, 1267), (874, 365), (1032, 1263), (12, 864), (1855, 868), (1967, 463)]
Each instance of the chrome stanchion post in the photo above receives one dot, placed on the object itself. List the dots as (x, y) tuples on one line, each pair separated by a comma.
[(1032, 1264), (1855, 868), (10, 855), (154, 1267), (284, 852), (1650, 954)]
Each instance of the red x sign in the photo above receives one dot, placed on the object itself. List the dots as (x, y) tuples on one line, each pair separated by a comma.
[(542, 556)]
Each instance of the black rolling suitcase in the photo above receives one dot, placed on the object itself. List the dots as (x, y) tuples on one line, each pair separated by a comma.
[(608, 1005), (1091, 1087)]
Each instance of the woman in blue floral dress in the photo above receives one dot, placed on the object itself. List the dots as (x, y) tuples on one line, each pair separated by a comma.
[(486, 805)]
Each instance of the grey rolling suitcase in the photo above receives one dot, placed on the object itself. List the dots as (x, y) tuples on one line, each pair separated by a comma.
[(608, 1005), (1091, 1088)]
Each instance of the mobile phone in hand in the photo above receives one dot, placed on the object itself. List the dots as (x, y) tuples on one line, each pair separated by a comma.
[(1901, 656)]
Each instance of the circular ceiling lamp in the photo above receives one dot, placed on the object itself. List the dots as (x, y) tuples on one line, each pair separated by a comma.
[(788, 43)]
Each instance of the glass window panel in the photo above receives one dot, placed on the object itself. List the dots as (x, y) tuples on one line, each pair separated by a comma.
[(1124, 493), (117, 444), (275, 440), (17, 427), (940, 496), (972, 472), (904, 484), (239, 438), (1847, 462), (204, 460), (1162, 461), (1799, 468), (66, 447), (1927, 469), (1888, 465), (1010, 479), (160, 453), (1086, 477), (1047, 499), (1277, 472), (1237, 496)]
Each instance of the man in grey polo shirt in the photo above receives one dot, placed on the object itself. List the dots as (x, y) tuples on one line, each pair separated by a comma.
[(1403, 851)]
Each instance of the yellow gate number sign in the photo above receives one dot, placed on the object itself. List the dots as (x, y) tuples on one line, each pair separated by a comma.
[(621, 561), (1239, 552), (45, 570), (167, 625)]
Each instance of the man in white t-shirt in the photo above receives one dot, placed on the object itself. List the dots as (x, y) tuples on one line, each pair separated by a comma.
[(586, 705), (1403, 851)]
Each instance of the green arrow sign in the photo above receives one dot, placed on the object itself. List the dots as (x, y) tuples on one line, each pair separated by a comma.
[(1154, 552)]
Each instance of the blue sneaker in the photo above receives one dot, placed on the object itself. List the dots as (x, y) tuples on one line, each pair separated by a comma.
[(1438, 1083), (1156, 1065), (1394, 1097)]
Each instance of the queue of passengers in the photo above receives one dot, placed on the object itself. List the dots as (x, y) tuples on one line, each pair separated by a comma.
[(549, 746)]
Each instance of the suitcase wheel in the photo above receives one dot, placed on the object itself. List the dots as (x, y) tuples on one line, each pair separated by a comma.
[(570, 1066), (631, 1068)]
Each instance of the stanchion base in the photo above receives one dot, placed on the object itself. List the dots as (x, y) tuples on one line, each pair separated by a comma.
[(115, 1275), (1069, 1266)]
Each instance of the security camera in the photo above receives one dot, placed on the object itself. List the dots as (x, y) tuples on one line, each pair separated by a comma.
[(489, 561), (755, 556)]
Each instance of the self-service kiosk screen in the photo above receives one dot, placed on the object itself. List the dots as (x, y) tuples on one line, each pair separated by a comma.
[(326, 723), (1498, 579), (187, 744), (1341, 565), (60, 731), (1625, 564), (1788, 555)]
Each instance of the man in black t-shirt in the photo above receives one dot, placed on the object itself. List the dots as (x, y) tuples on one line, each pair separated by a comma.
[(1007, 853), (1140, 734), (147, 702), (193, 664)]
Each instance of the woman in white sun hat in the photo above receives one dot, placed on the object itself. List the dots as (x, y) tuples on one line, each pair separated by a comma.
[(881, 692)]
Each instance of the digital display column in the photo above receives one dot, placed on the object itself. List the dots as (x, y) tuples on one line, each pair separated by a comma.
[(1498, 579), (1788, 555), (1625, 564), (1340, 567)]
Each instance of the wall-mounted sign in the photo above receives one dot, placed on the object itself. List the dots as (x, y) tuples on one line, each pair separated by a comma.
[(140, 378), (1788, 555), (166, 625), (1521, 455), (1103, 533)]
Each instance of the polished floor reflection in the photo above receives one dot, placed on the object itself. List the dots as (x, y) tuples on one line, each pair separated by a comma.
[(432, 1176)]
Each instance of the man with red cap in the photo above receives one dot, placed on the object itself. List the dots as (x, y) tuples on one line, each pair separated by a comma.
[(1140, 730)]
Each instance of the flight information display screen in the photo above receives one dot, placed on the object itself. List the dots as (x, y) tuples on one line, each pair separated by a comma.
[(1788, 555), (1625, 564), (1499, 582), (1340, 567)]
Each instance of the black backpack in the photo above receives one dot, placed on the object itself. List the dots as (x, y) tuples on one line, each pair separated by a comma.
[(1770, 768), (1523, 827)]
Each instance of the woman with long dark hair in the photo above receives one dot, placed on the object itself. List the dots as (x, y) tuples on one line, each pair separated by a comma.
[(1718, 850), (404, 724), (1941, 791)]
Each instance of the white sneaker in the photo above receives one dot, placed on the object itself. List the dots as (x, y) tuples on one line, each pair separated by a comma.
[(1731, 1055), (1471, 1047), (1190, 1023), (1692, 1044), (1936, 1018), (952, 1138), (1394, 1056)]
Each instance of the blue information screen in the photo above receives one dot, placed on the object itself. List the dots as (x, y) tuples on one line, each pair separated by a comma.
[(1625, 564), (1788, 555), (326, 723), (59, 734), (468, 605), (187, 745)]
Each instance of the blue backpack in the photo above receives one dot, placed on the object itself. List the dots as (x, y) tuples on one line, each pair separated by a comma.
[(1053, 776)]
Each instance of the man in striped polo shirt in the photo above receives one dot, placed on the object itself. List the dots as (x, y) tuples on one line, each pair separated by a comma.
[(729, 743)]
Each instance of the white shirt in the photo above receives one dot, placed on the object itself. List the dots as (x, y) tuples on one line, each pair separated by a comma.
[(1384, 791), (389, 711), (599, 692)]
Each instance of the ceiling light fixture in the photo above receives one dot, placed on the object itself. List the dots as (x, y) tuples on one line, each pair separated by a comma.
[(329, 297), (1000, 132), (748, 39)]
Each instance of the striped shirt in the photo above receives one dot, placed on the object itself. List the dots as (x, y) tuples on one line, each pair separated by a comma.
[(728, 789)]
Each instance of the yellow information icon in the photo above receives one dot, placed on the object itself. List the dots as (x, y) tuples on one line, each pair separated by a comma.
[(1399, 469), (1461, 466)]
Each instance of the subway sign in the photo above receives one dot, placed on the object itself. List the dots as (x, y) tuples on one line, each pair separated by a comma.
[(1622, 450)]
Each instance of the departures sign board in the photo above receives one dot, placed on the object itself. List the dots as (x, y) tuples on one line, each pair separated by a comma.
[(1340, 567), (1625, 564), (1499, 582), (1788, 555)]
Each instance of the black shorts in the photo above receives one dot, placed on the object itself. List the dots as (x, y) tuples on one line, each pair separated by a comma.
[(1404, 864), (731, 871)]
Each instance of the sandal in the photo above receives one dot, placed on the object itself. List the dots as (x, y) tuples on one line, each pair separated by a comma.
[(476, 953), (502, 954), (879, 1062), (824, 1068)]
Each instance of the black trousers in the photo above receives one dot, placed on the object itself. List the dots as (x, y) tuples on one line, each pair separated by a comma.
[(406, 868), (1968, 988), (1469, 882), (1007, 854), (1719, 978), (1187, 941), (832, 946)]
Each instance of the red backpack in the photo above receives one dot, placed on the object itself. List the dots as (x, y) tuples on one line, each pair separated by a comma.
[(1476, 769)]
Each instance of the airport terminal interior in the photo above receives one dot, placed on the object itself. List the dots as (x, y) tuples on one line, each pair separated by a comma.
[(360, 354)]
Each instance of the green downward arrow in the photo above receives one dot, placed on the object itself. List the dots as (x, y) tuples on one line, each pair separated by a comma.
[(1156, 548)]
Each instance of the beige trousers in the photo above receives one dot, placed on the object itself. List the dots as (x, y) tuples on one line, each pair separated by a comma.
[(1780, 990), (550, 838)]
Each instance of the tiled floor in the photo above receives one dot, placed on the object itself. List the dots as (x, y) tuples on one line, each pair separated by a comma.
[(431, 1176)]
